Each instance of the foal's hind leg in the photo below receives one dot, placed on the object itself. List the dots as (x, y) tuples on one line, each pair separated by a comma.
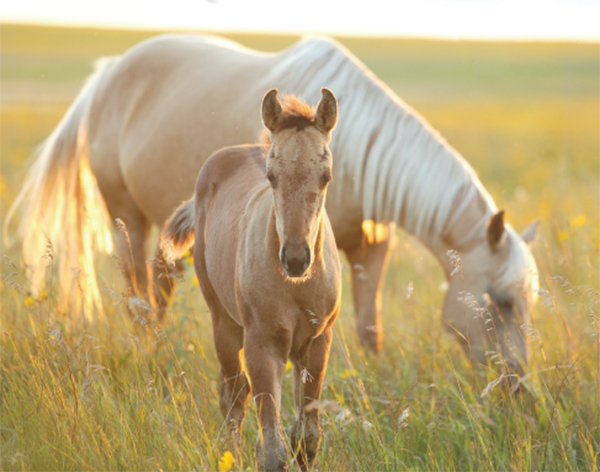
[(369, 264), (229, 340)]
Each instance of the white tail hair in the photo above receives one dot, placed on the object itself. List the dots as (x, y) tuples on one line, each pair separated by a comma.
[(60, 202), (178, 232)]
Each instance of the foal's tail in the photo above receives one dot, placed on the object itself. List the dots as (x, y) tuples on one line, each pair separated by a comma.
[(63, 215), (177, 235)]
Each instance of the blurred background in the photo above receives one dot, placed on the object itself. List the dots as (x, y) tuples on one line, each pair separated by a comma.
[(513, 85), (449, 19)]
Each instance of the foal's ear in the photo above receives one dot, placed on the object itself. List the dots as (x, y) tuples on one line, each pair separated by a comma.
[(272, 113), (495, 230), (327, 111)]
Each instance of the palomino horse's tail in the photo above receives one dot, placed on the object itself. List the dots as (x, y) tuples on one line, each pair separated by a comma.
[(63, 216), (178, 232)]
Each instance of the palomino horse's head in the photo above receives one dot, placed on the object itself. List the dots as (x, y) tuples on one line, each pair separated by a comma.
[(491, 293), (299, 170)]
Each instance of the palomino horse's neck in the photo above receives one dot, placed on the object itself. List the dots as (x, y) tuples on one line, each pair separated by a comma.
[(412, 177), (465, 226), (443, 202)]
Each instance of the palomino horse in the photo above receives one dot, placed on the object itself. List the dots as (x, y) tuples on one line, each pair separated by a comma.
[(146, 122), (269, 269)]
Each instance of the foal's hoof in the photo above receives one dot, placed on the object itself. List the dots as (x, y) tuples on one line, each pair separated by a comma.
[(272, 465), (305, 442), (271, 458)]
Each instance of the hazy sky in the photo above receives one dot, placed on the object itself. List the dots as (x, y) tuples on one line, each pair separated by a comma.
[(516, 19)]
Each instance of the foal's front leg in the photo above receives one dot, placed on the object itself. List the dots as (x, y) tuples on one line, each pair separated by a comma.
[(265, 363), (308, 383)]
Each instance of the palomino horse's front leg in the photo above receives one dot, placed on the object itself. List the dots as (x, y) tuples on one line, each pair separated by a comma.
[(369, 264), (308, 383), (265, 362)]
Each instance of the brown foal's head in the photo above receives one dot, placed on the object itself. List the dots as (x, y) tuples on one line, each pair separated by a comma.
[(299, 168)]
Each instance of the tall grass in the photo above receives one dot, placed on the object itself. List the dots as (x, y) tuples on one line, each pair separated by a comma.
[(123, 393), (120, 392)]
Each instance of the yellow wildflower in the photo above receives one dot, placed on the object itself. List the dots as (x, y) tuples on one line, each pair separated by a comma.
[(226, 462), (348, 373), (288, 366), (29, 302), (563, 236), (577, 222)]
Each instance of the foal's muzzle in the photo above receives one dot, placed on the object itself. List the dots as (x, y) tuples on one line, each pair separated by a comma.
[(295, 259)]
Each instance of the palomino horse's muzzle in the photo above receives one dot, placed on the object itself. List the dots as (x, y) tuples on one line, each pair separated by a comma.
[(295, 258)]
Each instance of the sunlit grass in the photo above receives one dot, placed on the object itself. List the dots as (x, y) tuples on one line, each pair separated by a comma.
[(118, 393)]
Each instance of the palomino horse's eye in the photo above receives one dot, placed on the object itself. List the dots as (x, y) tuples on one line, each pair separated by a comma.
[(271, 178), (326, 179)]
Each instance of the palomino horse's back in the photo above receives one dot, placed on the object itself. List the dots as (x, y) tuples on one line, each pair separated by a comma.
[(155, 119)]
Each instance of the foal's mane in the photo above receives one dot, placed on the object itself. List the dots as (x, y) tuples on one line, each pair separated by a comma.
[(296, 114)]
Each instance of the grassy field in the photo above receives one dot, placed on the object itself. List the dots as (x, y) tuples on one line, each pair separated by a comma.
[(112, 394)]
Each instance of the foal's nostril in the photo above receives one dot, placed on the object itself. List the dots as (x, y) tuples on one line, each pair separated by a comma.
[(295, 262), (295, 267)]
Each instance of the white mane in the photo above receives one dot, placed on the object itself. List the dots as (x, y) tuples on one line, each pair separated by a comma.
[(403, 170)]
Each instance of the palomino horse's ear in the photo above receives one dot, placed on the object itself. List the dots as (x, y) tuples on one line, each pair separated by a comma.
[(530, 232), (327, 111), (272, 113), (495, 230)]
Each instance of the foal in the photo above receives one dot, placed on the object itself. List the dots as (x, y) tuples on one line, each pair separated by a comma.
[(268, 267)]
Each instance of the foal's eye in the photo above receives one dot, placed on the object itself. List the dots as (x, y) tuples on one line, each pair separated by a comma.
[(325, 179), (271, 177)]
